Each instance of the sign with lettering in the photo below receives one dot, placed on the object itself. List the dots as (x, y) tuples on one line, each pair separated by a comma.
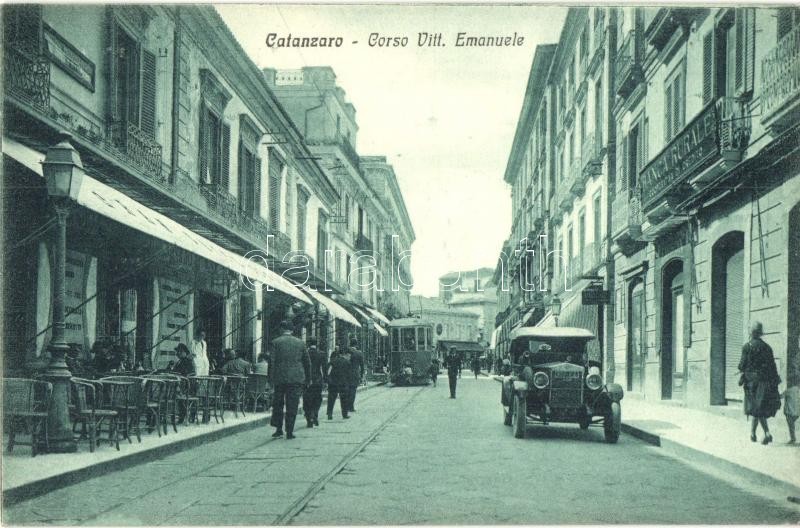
[(594, 295), (688, 152), (68, 58), (74, 295), (174, 304)]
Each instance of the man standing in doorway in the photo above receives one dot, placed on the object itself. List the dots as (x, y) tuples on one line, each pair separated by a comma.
[(312, 397), (200, 353), (288, 374), (453, 364), (357, 365)]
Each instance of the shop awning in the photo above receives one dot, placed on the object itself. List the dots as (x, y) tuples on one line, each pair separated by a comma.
[(377, 315), (360, 312), (363, 313), (380, 330), (493, 341), (111, 203), (332, 306)]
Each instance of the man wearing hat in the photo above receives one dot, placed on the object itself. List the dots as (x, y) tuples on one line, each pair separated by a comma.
[(288, 374), (357, 365), (312, 397), (453, 364)]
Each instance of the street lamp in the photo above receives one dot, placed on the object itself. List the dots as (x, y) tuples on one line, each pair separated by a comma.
[(555, 307), (63, 173)]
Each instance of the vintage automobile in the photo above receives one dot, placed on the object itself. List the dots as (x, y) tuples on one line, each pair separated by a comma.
[(553, 380)]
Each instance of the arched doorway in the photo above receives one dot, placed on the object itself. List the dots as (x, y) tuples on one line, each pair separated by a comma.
[(636, 336), (793, 299), (673, 353), (727, 316)]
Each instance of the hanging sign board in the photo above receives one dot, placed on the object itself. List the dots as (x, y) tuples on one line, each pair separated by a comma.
[(172, 322), (595, 295)]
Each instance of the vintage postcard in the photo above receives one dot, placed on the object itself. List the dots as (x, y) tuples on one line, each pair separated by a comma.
[(244, 243)]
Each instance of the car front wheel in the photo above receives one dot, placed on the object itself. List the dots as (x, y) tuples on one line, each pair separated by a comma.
[(612, 423), (520, 416)]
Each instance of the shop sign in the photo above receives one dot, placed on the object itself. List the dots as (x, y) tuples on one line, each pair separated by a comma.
[(74, 295), (686, 154), (594, 295)]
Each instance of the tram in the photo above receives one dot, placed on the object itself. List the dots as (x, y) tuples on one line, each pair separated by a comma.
[(412, 350)]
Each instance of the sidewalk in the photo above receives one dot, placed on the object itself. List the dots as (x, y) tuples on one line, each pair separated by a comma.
[(24, 477), (720, 437)]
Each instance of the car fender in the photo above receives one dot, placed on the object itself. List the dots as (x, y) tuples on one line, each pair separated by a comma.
[(520, 386), (614, 391)]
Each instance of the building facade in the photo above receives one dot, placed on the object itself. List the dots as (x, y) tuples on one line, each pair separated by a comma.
[(472, 291), (197, 187), (672, 193)]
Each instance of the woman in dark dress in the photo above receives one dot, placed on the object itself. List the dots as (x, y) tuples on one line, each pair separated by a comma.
[(760, 381)]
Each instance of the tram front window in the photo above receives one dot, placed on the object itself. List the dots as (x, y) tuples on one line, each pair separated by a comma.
[(409, 339), (421, 337), (395, 340)]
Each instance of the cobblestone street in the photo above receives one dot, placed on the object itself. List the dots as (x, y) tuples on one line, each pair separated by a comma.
[(409, 455)]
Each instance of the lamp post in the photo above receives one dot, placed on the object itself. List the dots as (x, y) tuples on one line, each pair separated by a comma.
[(555, 307), (63, 173)]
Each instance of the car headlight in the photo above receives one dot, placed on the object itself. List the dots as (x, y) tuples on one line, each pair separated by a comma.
[(594, 381), (541, 380)]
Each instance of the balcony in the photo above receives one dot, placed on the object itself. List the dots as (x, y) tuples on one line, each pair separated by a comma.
[(628, 65), (577, 182), (780, 83), (27, 78), (569, 117), (364, 245), (626, 221), (580, 95), (137, 148), (591, 156), (563, 197), (665, 23)]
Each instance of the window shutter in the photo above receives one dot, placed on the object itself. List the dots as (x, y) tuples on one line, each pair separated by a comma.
[(677, 104), (785, 21), (750, 50), (739, 67), (257, 188), (646, 142), (242, 177), (224, 159), (148, 112), (202, 157), (708, 67), (668, 114), (624, 171), (639, 152)]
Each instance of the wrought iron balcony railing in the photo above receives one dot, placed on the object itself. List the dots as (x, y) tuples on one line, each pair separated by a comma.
[(577, 180), (591, 156), (364, 245), (136, 147), (780, 78), (27, 77), (627, 66), (626, 217), (734, 127)]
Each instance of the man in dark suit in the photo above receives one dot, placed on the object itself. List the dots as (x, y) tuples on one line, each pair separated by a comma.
[(312, 397), (339, 375), (288, 375), (357, 365), (453, 364)]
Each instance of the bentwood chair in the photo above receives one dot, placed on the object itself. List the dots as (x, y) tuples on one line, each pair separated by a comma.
[(25, 406), (257, 390), (87, 398), (125, 395), (234, 394), (169, 400), (208, 390), (188, 401)]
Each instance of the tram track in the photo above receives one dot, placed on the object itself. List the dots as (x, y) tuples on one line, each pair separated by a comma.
[(299, 505)]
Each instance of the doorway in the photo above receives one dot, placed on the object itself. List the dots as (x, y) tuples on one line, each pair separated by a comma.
[(727, 317), (673, 323), (636, 336), (208, 312), (793, 299)]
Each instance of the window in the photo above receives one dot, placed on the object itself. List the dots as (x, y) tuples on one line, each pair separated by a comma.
[(322, 238), (729, 55), (598, 113), (215, 138), (581, 232), (633, 156), (788, 19), (675, 103), (249, 168), (598, 222), (275, 180), (583, 127), (302, 201), (133, 86), (570, 246)]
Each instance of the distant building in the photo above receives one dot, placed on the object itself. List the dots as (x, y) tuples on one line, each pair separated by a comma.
[(472, 291), (452, 324)]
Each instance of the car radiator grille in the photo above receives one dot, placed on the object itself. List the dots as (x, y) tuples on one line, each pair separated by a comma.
[(566, 389)]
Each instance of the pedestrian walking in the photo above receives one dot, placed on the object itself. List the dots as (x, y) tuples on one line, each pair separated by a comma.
[(357, 365), (312, 397), (791, 409), (288, 375), (339, 374), (760, 381), (476, 366), (453, 364), (200, 353), (434, 370)]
